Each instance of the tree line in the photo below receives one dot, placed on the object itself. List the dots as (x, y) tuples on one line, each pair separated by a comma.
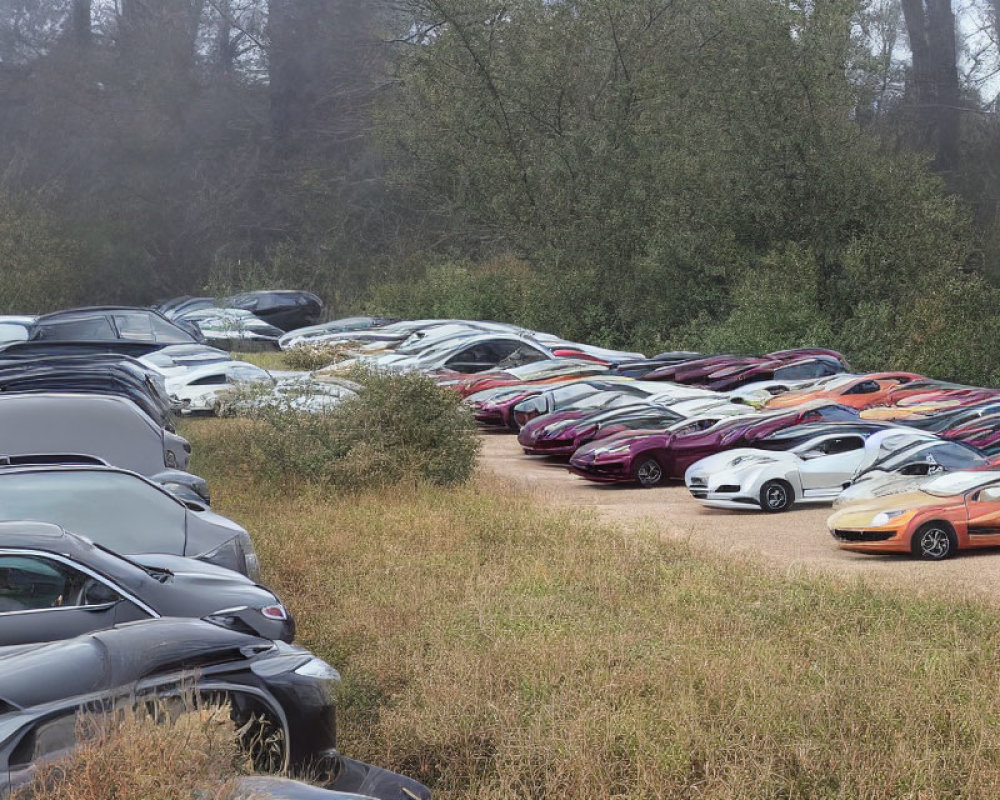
[(716, 174)]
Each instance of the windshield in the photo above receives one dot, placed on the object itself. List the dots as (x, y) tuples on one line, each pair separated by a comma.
[(117, 510), (950, 455)]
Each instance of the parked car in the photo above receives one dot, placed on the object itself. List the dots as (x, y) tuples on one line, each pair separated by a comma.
[(199, 389), (278, 694), (577, 396), (283, 308), (112, 428), (96, 373), (956, 511), (307, 335), (57, 585), (179, 358), (550, 370), (234, 329), (809, 464), (909, 468), (103, 323), (125, 512), (563, 436), (476, 353), (649, 458), (856, 391)]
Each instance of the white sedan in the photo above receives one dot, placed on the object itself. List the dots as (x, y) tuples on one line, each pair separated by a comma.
[(198, 390), (812, 471)]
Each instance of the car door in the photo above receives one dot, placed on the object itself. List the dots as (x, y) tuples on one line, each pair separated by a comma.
[(983, 507), (44, 599), (829, 463)]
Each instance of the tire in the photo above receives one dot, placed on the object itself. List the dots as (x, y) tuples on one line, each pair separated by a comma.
[(776, 496), (934, 541), (649, 472)]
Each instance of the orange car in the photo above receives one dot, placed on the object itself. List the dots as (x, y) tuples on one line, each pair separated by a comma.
[(956, 511), (856, 391)]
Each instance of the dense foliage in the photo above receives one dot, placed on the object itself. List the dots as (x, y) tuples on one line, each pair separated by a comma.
[(644, 173), (400, 428)]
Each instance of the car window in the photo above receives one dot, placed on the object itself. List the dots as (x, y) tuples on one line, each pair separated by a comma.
[(163, 331), (843, 444), (96, 328), (134, 327), (865, 387), (834, 414), (48, 738), (32, 583), (115, 509), (991, 494), (210, 380)]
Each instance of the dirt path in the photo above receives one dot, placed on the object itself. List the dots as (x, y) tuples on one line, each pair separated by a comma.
[(796, 540)]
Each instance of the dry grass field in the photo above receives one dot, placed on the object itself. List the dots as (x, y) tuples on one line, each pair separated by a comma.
[(493, 646)]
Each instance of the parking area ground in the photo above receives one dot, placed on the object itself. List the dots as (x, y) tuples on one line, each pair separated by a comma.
[(796, 540)]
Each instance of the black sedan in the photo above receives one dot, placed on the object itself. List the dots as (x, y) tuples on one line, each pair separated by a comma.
[(278, 694), (56, 585)]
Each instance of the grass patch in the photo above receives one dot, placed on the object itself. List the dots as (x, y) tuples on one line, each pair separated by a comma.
[(145, 753), (494, 648)]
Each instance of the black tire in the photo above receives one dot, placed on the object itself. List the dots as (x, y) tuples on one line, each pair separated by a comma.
[(776, 496), (934, 541), (649, 472)]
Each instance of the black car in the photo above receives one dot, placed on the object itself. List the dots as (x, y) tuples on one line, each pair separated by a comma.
[(277, 693), (113, 323), (99, 373), (57, 585), (282, 308)]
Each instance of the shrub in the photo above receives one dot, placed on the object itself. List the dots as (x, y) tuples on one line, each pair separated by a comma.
[(399, 427), (314, 356)]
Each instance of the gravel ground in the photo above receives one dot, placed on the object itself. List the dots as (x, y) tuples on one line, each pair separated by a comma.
[(794, 541)]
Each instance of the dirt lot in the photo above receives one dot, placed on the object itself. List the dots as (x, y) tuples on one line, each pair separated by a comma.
[(796, 540)]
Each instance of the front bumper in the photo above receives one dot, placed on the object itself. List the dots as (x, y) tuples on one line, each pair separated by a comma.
[(871, 540), (618, 471)]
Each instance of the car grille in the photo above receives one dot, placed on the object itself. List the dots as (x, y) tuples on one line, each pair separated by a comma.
[(863, 536), (728, 489)]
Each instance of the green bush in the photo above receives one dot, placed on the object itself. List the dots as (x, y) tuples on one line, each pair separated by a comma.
[(311, 357), (399, 428)]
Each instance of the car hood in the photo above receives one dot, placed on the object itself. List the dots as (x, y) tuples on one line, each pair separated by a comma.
[(860, 514), (725, 459)]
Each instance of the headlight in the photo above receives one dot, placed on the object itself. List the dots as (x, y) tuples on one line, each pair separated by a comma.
[(318, 668), (885, 518), (612, 451), (236, 554)]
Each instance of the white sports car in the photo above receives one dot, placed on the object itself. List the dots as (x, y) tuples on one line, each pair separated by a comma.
[(812, 471)]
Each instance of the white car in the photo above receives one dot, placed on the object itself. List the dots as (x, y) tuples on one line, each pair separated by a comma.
[(909, 468), (198, 390), (813, 470)]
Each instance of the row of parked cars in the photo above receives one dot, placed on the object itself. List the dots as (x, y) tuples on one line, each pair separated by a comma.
[(911, 464), (118, 582)]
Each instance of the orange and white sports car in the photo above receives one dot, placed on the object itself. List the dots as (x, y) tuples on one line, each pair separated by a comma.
[(957, 511), (856, 391)]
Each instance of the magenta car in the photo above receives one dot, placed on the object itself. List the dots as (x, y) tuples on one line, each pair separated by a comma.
[(561, 434), (729, 372), (651, 457), (502, 409)]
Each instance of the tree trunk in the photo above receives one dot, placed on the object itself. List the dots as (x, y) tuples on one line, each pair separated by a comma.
[(933, 84), (80, 22)]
